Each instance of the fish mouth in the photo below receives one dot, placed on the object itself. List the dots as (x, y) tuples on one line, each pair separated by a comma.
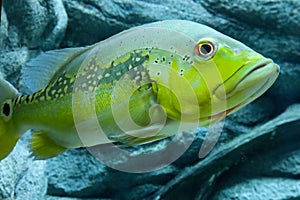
[(244, 86), (252, 75)]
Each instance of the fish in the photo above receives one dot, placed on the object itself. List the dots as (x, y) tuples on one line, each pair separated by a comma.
[(141, 85)]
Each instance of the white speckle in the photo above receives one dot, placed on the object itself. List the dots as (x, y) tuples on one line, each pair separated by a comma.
[(137, 78), (237, 51), (91, 88), (107, 75), (42, 98), (137, 59), (143, 73), (130, 67), (66, 89), (118, 73)]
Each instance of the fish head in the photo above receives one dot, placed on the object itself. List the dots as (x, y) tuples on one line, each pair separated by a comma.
[(216, 76), (233, 74), (8, 136), (8, 133)]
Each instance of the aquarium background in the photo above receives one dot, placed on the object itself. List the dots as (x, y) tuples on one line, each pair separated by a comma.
[(258, 154)]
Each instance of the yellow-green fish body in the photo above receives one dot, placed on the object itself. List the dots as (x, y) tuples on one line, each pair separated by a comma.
[(134, 83)]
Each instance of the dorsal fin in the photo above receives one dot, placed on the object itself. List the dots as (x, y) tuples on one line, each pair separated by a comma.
[(39, 71)]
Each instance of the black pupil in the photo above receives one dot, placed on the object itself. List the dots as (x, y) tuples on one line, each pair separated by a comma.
[(6, 109), (206, 49)]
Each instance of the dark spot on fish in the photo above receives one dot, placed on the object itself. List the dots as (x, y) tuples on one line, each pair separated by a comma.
[(27, 99), (6, 109), (33, 97)]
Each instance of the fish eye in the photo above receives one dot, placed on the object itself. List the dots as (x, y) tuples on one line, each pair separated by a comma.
[(205, 49)]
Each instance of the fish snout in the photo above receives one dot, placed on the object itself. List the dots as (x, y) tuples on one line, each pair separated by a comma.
[(251, 80)]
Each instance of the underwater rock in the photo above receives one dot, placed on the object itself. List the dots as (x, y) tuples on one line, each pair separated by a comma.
[(243, 162), (102, 19), (37, 24), (270, 15), (33, 184), (3, 28), (262, 189), (75, 173), (289, 164), (11, 62), (246, 163)]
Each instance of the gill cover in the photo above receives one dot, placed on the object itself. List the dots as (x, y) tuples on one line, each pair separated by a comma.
[(8, 135)]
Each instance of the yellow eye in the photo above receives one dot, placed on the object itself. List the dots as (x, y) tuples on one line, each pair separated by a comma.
[(205, 50)]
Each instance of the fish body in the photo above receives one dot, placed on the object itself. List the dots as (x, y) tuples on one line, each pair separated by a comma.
[(138, 85)]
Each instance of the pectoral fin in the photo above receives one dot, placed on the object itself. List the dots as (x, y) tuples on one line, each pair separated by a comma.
[(43, 146)]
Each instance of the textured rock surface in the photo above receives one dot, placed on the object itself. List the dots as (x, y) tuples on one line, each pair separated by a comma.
[(78, 174), (37, 23), (254, 159), (236, 166)]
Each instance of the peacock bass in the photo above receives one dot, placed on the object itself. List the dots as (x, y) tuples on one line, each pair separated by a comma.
[(139, 85)]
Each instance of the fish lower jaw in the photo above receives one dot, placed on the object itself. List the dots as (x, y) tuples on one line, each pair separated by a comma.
[(242, 95), (262, 89)]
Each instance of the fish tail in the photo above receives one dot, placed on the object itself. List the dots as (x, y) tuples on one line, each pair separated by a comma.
[(8, 134)]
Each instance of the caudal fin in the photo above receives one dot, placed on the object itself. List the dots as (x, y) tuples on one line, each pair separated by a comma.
[(8, 136)]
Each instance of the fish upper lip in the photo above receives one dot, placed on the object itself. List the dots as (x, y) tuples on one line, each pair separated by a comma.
[(256, 66), (261, 65), (219, 91)]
